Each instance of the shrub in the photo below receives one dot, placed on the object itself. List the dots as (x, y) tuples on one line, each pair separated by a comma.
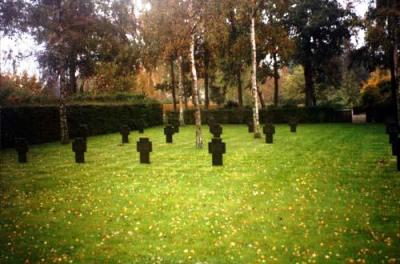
[(276, 115), (40, 124)]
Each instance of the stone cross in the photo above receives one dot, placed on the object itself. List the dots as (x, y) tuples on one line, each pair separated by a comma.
[(139, 124), (211, 121), (393, 131), (395, 146), (250, 126), (216, 130), (293, 125), (396, 151), (125, 131), (216, 147), (144, 147), (169, 131), (175, 123), (83, 131), (21, 145), (269, 131), (390, 121), (79, 147)]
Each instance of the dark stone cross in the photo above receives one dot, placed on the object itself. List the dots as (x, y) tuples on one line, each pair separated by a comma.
[(269, 131), (175, 123), (79, 147), (83, 131), (250, 126), (393, 131), (139, 125), (395, 146), (169, 131), (293, 125), (21, 145), (125, 131), (144, 147), (216, 147), (396, 151), (211, 121), (216, 130), (390, 121)]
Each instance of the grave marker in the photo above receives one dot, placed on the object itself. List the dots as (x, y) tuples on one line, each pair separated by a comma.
[(175, 123), (83, 131), (395, 145), (269, 131), (390, 121), (211, 121), (21, 146), (393, 132), (125, 131), (217, 148), (79, 147), (250, 126), (139, 125), (144, 147), (396, 151), (169, 131), (216, 130), (293, 125)]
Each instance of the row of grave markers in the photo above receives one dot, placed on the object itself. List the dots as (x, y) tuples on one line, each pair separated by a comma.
[(392, 129), (144, 146)]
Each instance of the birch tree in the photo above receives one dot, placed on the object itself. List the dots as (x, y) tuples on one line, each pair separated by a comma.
[(254, 89), (194, 23)]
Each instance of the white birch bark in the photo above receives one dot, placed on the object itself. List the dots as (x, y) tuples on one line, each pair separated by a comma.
[(63, 110), (195, 92), (195, 88), (256, 121), (180, 88)]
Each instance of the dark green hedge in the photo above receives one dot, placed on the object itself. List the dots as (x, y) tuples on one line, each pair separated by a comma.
[(40, 124), (276, 115)]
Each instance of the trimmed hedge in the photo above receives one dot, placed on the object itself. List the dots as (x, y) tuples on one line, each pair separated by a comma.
[(41, 124), (276, 115)]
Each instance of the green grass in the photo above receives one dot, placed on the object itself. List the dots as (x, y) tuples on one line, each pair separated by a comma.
[(329, 193)]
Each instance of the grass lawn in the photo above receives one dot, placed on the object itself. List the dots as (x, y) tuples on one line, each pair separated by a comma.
[(329, 193)]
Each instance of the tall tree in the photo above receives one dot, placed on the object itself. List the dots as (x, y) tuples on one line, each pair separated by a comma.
[(254, 88), (274, 43), (382, 41), (231, 34), (319, 29), (194, 24)]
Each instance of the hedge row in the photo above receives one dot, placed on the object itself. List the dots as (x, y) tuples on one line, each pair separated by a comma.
[(41, 124), (379, 113), (276, 115)]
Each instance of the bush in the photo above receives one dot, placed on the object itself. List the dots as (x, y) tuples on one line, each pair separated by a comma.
[(41, 124), (276, 115)]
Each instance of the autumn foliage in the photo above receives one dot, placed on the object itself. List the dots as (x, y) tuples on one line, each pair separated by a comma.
[(376, 89)]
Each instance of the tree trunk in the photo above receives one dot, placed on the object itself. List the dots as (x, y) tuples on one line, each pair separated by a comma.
[(206, 82), (397, 73), (276, 80), (394, 81), (261, 97), (257, 133), (82, 87), (180, 91), (309, 84), (72, 86), (173, 84), (195, 92), (240, 88), (63, 110)]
